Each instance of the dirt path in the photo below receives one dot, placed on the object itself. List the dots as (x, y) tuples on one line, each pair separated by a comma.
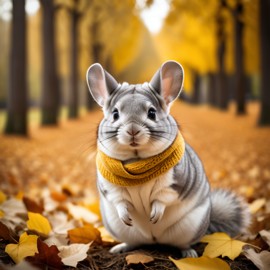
[(235, 152)]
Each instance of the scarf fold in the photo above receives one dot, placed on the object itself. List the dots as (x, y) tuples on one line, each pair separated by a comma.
[(142, 171)]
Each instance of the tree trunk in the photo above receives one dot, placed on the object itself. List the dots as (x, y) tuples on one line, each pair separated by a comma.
[(17, 95), (212, 89), (50, 101), (195, 99), (264, 118), (73, 99), (96, 50), (239, 55), (222, 91)]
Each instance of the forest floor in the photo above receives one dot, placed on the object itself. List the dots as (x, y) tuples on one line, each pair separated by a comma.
[(234, 150)]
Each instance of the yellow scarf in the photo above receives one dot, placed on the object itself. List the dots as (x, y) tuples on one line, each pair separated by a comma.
[(141, 171)]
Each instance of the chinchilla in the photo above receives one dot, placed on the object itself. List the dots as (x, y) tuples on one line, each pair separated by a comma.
[(152, 185)]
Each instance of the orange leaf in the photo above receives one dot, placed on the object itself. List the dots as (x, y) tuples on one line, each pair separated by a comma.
[(84, 235)]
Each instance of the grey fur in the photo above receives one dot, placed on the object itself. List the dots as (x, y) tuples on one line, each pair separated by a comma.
[(176, 208)]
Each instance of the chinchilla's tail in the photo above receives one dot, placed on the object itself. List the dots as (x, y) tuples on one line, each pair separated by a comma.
[(229, 213)]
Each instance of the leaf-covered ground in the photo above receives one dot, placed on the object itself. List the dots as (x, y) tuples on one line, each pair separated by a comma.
[(54, 172)]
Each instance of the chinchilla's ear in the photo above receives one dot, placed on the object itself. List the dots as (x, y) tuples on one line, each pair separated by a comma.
[(100, 83), (168, 81)]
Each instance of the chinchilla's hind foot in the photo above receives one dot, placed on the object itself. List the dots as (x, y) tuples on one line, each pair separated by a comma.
[(189, 253), (121, 248)]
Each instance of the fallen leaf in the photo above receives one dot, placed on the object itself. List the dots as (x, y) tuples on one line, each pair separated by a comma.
[(138, 258), (3, 197), (32, 206), (266, 236), (94, 208), (58, 196), (105, 236), (261, 260), (38, 223), (82, 213), (46, 256), (73, 253), (256, 205), (6, 233), (27, 246), (14, 210), (84, 235), (222, 244), (201, 263)]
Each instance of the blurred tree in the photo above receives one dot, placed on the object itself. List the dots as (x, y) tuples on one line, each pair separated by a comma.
[(50, 100), (265, 61), (75, 14), (17, 94), (237, 13), (222, 88)]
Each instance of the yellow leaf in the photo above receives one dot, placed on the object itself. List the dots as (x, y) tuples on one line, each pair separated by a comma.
[(3, 196), (201, 263), (95, 208), (38, 223), (220, 244), (1, 214), (19, 195), (105, 236), (138, 258), (84, 235), (27, 246)]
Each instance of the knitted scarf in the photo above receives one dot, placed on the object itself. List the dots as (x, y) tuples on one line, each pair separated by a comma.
[(141, 171)]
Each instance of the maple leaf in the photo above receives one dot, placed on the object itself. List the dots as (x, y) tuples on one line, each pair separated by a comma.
[(73, 253), (138, 258), (27, 246), (46, 256), (84, 235), (38, 223), (201, 263), (221, 244), (261, 260)]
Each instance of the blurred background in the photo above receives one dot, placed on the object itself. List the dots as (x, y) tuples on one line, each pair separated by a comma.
[(47, 45)]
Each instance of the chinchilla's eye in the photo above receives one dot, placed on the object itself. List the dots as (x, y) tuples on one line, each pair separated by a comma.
[(152, 114), (115, 114)]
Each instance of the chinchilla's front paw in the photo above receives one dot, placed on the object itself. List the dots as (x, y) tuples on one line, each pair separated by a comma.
[(123, 209), (157, 211)]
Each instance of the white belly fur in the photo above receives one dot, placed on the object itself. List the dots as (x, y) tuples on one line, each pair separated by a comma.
[(177, 226)]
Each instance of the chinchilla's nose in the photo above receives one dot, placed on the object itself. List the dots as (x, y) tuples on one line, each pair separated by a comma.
[(133, 130)]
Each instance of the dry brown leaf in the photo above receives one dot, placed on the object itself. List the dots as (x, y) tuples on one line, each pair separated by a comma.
[(138, 258), (266, 236), (73, 253), (261, 260), (32, 206)]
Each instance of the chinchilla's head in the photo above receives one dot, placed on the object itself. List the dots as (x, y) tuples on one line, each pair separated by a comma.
[(136, 123)]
